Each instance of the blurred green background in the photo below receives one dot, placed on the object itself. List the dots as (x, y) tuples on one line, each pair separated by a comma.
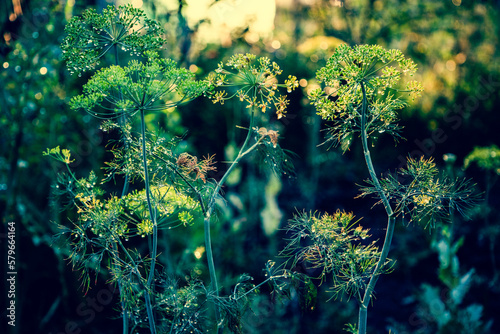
[(455, 45)]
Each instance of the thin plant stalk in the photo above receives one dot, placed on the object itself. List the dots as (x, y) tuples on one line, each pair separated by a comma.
[(364, 303), (240, 155), (207, 211), (124, 193), (206, 221), (211, 269), (147, 297)]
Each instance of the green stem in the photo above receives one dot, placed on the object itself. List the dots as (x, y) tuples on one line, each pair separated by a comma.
[(363, 308), (368, 159), (211, 269), (240, 155), (124, 193), (152, 216), (120, 288), (208, 243), (259, 285)]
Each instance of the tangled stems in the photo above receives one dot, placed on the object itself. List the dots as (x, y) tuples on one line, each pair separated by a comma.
[(137, 88), (83, 186), (206, 220), (207, 212)]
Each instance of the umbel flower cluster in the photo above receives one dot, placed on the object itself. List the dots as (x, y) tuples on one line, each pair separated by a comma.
[(334, 245), (139, 86), (92, 35), (254, 80), (363, 75)]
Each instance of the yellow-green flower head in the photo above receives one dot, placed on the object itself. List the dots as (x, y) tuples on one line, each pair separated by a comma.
[(254, 80), (154, 85), (379, 72), (92, 35)]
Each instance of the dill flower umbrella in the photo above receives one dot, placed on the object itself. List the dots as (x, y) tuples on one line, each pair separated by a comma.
[(362, 84), (92, 35), (156, 85)]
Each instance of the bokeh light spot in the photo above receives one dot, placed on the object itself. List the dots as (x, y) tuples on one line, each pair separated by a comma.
[(461, 58), (193, 68), (451, 65), (198, 253)]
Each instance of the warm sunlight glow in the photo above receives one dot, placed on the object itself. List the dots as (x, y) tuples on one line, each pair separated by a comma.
[(137, 3), (224, 16)]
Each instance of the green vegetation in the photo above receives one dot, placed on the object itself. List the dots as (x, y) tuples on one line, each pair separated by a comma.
[(189, 181)]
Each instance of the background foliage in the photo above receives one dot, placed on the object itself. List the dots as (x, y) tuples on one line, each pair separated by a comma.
[(439, 279)]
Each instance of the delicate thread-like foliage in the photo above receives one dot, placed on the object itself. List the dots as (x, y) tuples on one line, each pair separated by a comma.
[(117, 90), (254, 81), (104, 221), (417, 190), (380, 72), (335, 245), (91, 35)]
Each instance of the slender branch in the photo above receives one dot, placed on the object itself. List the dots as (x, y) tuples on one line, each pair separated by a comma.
[(124, 193), (240, 155), (211, 269), (259, 285), (363, 308), (210, 206), (368, 159), (152, 216)]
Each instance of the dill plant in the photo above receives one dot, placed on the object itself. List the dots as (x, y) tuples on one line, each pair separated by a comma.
[(117, 29), (362, 95), (174, 189)]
